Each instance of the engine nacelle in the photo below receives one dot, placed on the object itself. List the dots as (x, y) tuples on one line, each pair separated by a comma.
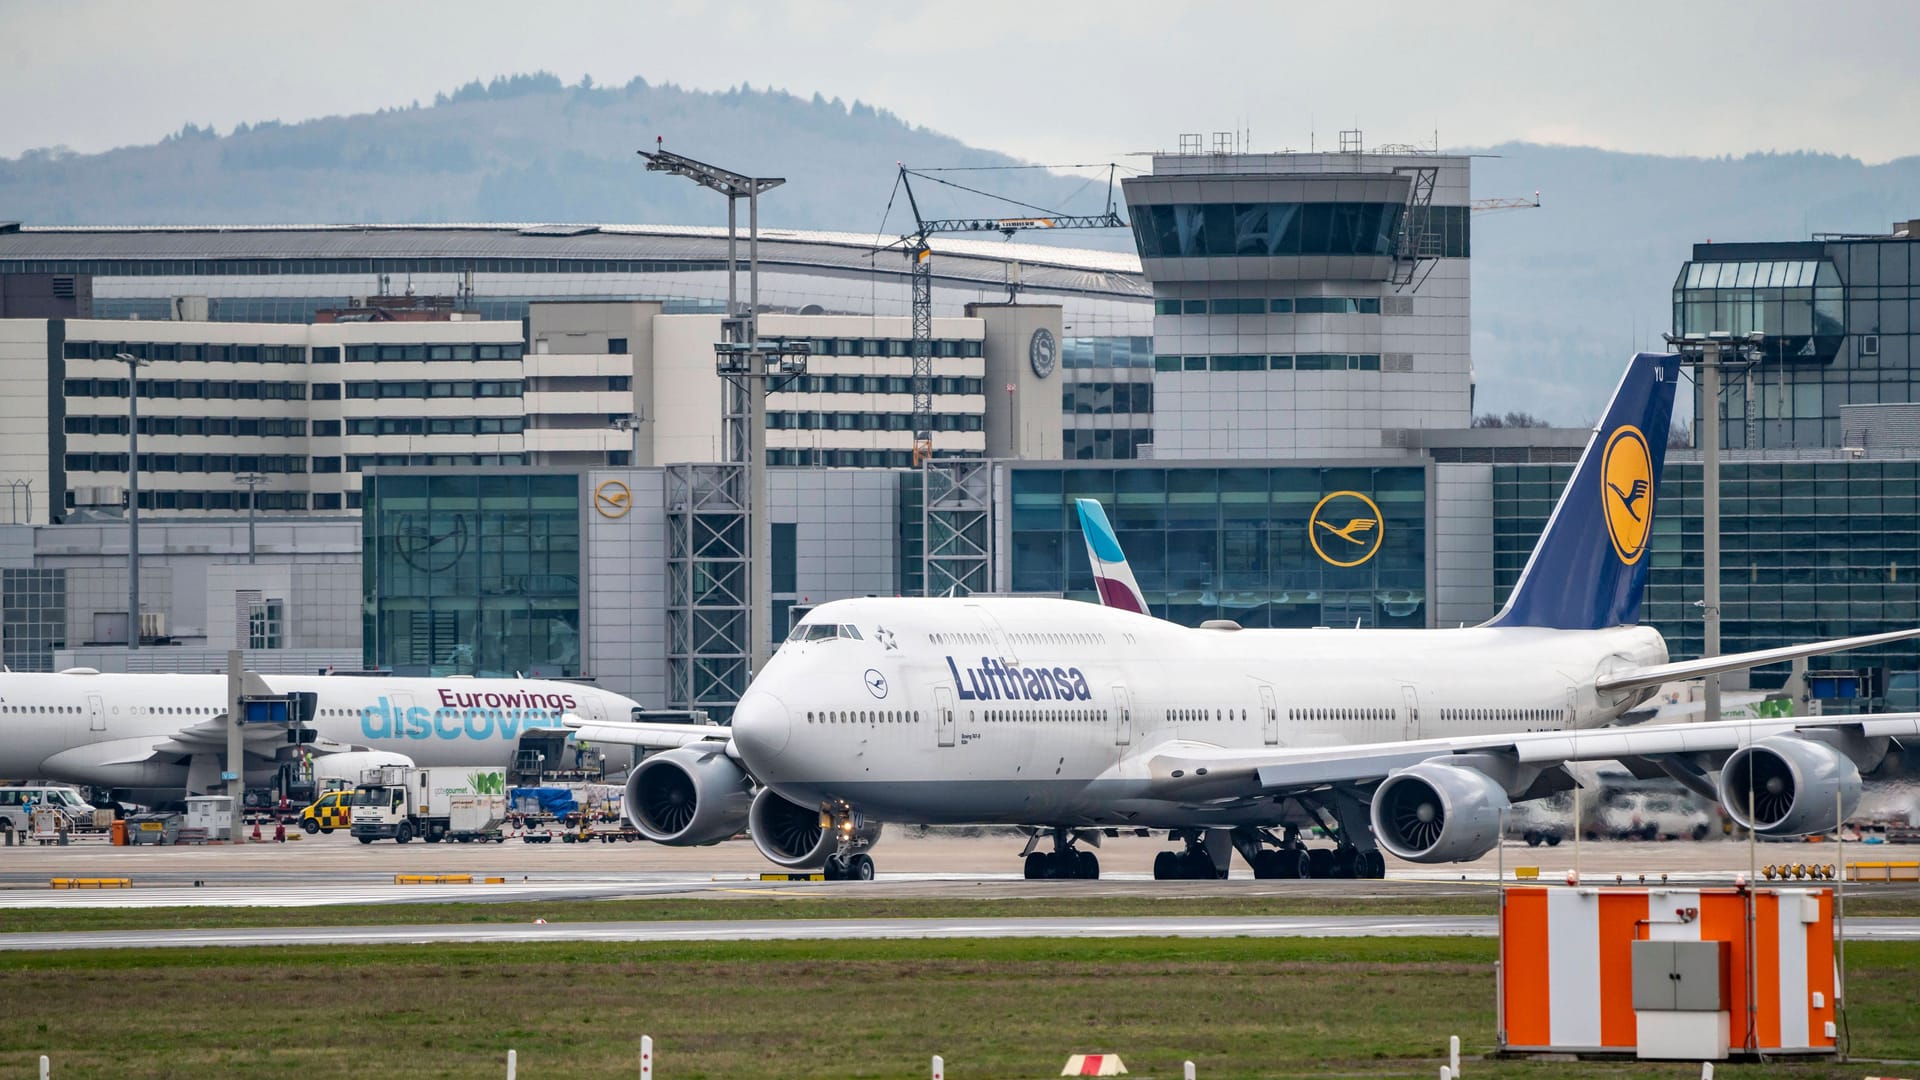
[(688, 796), (1794, 785), (1435, 812), (790, 835)]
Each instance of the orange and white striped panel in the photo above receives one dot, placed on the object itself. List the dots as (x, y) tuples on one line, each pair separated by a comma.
[(1566, 963)]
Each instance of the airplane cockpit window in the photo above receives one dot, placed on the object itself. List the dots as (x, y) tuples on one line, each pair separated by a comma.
[(824, 632)]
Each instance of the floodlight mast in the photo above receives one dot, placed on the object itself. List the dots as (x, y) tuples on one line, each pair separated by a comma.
[(746, 368)]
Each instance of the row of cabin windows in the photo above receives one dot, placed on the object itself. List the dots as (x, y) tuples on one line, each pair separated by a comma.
[(1045, 716), (1201, 716), (39, 708), (1354, 715), (865, 716), (1058, 639), (960, 639), (1508, 716)]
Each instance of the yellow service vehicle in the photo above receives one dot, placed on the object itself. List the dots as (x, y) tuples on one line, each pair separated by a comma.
[(331, 811)]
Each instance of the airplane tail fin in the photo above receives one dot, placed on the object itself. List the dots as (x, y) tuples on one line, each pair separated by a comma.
[(1110, 571), (1589, 569)]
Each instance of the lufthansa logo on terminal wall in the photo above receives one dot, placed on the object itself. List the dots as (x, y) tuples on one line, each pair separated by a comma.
[(1626, 492), (613, 499), (1345, 528)]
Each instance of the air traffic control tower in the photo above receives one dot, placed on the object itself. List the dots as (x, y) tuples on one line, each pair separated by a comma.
[(1306, 305)]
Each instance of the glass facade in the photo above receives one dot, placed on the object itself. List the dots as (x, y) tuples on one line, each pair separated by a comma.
[(1809, 550), (472, 573), (1279, 547), (1188, 230), (34, 617)]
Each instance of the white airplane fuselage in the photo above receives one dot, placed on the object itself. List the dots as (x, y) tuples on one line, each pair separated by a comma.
[(119, 730), (1040, 711)]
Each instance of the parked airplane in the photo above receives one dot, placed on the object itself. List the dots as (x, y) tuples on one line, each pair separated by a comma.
[(156, 738), (1077, 720)]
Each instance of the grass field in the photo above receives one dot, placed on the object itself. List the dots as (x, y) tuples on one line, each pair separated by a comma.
[(845, 904), (994, 1008)]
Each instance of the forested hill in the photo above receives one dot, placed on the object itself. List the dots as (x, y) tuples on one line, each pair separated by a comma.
[(520, 148), (1561, 293)]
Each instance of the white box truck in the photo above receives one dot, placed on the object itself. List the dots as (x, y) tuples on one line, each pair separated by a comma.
[(399, 803)]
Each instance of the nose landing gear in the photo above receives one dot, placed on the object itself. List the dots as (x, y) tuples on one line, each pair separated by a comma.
[(849, 861)]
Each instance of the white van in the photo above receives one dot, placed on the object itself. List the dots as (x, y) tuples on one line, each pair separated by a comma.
[(17, 801)]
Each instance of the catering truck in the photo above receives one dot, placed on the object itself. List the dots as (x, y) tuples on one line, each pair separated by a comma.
[(398, 803)]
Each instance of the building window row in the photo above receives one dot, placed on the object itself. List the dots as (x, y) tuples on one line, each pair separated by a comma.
[(437, 425), (867, 421), (1103, 399), (362, 462), (511, 350), (353, 267), (461, 389), (167, 350), (875, 384), (1281, 305), (1188, 230), (209, 389), (233, 500), (197, 463), (1295, 362), (1104, 444), (1106, 352), (841, 459), (268, 426), (945, 347)]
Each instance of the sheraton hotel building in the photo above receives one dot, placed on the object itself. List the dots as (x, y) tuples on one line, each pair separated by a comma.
[(508, 434)]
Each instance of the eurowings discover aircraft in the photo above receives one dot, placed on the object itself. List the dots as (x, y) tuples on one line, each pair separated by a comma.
[(157, 738), (1075, 720)]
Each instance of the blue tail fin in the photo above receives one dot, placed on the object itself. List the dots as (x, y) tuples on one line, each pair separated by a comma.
[(1589, 569)]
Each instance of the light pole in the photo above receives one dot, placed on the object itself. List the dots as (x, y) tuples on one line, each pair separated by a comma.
[(251, 480), (630, 424), (134, 364)]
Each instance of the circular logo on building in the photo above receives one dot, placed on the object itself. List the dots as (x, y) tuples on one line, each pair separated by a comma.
[(613, 499), (1043, 352), (1345, 528), (876, 683), (1626, 492)]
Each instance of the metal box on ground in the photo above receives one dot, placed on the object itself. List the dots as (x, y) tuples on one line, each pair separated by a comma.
[(161, 828), (1667, 973), (210, 817)]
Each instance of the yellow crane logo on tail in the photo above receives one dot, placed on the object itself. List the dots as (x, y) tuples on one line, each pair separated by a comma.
[(1351, 526), (1626, 492)]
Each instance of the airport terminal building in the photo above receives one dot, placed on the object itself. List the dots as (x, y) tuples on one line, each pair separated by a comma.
[(553, 522)]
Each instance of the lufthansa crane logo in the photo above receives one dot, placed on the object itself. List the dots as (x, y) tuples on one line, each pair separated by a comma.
[(613, 499), (1345, 528), (1626, 492)]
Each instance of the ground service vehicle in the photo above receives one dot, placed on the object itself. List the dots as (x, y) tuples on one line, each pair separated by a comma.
[(398, 803), (331, 811), (18, 801)]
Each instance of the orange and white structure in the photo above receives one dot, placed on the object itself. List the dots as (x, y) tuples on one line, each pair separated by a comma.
[(1667, 973), (1094, 1065)]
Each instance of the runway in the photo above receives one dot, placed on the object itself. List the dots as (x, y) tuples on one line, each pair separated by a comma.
[(830, 930)]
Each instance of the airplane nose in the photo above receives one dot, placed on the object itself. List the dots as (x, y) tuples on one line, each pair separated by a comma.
[(761, 726)]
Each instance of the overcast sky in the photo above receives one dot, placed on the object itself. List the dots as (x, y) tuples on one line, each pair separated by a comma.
[(1049, 82)]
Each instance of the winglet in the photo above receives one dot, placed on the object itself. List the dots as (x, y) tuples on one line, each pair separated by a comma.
[(1589, 569), (1110, 571)]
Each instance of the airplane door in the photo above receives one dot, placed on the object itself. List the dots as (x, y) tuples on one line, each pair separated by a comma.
[(402, 704), (96, 709), (1413, 712), (1269, 716), (943, 714), (1122, 717)]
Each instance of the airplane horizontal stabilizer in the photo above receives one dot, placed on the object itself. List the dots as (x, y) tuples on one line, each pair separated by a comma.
[(1711, 665)]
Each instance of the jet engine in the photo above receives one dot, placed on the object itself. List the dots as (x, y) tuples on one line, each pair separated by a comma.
[(1794, 786), (1435, 812), (791, 835), (693, 795)]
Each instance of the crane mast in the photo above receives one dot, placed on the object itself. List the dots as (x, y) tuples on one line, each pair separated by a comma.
[(920, 257)]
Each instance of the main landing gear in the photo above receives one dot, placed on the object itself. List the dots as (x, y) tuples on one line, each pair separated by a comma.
[(1204, 858), (1344, 815), (1067, 860)]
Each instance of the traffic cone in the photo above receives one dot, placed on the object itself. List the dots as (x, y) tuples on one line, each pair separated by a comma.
[(256, 830)]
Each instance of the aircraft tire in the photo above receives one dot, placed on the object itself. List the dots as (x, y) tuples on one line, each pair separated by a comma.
[(860, 867), (1088, 866), (1319, 862), (1372, 864), (1533, 838), (1038, 866), (1346, 863), (1166, 866), (833, 870), (1266, 864), (310, 826)]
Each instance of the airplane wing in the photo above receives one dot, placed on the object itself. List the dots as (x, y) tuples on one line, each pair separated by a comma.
[(1195, 771), (651, 736), (1690, 669)]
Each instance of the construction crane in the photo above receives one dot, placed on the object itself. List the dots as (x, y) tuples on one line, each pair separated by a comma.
[(1490, 206), (920, 255)]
